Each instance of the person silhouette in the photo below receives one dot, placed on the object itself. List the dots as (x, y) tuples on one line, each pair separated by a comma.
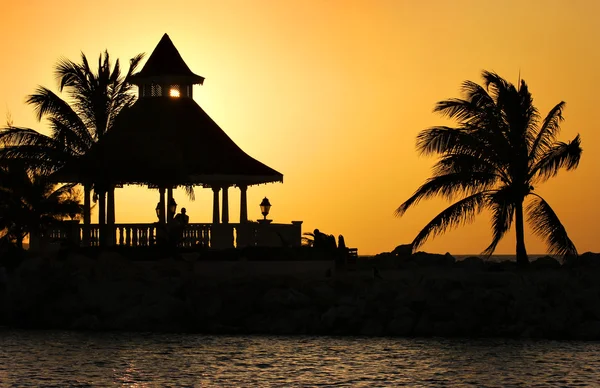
[(182, 219)]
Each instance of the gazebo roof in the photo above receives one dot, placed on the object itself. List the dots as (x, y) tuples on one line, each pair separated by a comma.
[(165, 61), (166, 141)]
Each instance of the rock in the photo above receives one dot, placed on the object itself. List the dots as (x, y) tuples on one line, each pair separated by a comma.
[(589, 302), (401, 326), (86, 322), (307, 321), (387, 260), (472, 263), (278, 298), (340, 318), (257, 323), (283, 324), (588, 259), (502, 266), (373, 327), (424, 326), (322, 294), (467, 322), (588, 330), (31, 267), (424, 259), (545, 262), (403, 251), (445, 329)]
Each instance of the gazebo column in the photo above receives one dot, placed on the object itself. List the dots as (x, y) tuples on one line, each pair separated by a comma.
[(87, 207), (160, 232), (161, 205), (102, 217), (243, 204), (170, 215), (225, 215), (215, 190), (110, 216)]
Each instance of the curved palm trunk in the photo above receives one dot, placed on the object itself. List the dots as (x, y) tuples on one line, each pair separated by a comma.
[(522, 258)]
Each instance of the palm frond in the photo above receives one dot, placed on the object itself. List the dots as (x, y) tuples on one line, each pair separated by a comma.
[(21, 136), (497, 86), (560, 155), (449, 186), (546, 224), (189, 191), (467, 163), (502, 205), (76, 140), (46, 103), (461, 212), (546, 136), (442, 140)]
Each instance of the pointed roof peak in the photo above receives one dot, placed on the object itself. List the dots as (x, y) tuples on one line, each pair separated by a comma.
[(166, 62)]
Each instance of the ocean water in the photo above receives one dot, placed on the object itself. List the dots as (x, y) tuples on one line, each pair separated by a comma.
[(72, 359), (492, 258)]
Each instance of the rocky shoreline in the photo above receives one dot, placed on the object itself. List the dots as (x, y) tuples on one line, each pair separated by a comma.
[(427, 295)]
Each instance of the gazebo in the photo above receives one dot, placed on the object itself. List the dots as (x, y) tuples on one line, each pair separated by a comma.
[(166, 140)]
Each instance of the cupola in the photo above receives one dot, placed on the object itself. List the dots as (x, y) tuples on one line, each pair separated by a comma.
[(166, 74)]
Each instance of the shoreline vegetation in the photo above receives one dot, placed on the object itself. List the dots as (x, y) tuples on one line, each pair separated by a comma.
[(289, 293)]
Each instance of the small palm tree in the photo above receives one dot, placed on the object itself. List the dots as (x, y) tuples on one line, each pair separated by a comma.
[(29, 203), (492, 160), (94, 100)]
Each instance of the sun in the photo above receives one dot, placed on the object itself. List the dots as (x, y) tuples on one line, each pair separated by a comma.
[(174, 93)]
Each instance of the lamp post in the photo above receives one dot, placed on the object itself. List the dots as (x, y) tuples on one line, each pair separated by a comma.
[(265, 207)]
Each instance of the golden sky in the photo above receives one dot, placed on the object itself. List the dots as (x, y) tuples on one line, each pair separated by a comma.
[(332, 93)]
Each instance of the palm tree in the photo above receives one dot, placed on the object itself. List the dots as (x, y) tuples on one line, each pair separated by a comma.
[(30, 204), (500, 149), (94, 101)]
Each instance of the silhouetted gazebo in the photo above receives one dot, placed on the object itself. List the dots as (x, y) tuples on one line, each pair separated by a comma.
[(166, 140)]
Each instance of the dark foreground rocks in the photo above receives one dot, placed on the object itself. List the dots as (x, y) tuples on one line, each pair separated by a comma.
[(466, 298)]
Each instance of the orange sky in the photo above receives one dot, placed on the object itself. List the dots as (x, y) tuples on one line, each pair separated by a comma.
[(332, 94)]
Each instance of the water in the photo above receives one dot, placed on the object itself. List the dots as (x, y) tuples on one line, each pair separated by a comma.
[(62, 359)]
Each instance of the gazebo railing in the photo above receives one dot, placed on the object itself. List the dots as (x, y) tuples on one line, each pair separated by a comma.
[(217, 236), (141, 235)]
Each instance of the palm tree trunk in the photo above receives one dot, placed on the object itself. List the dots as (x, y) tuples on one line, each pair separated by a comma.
[(522, 258)]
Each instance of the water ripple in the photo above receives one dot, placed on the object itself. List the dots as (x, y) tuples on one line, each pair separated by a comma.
[(48, 358)]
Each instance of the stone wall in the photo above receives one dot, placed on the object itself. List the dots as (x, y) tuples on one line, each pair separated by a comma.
[(468, 298)]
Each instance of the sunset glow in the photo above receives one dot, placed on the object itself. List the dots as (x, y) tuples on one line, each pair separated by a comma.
[(332, 94)]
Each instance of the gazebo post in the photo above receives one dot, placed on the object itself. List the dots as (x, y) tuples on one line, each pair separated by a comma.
[(102, 216), (161, 204), (243, 204), (110, 215), (215, 190), (87, 206), (169, 198), (225, 215)]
